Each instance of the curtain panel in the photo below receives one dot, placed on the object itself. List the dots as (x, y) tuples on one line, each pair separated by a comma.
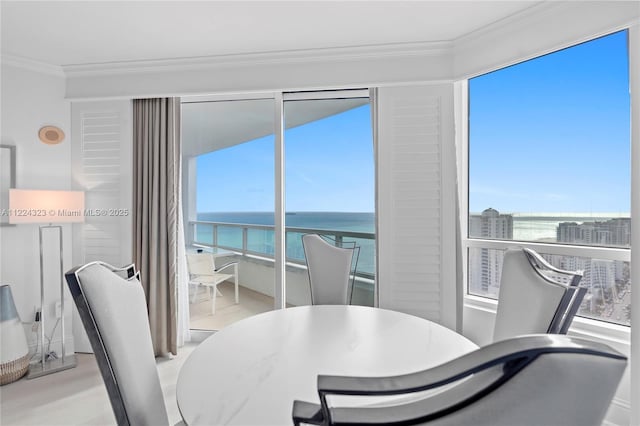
[(156, 179)]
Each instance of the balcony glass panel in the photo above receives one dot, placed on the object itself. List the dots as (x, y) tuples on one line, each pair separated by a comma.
[(229, 237), (261, 241), (203, 233)]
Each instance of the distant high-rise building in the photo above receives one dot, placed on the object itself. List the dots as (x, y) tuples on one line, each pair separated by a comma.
[(613, 232), (487, 262), (600, 276)]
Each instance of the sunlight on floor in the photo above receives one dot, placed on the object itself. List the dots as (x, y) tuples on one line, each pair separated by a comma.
[(227, 312)]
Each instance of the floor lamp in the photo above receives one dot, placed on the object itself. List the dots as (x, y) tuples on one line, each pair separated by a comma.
[(48, 207)]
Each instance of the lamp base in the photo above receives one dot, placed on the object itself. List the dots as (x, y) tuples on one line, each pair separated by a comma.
[(51, 366)]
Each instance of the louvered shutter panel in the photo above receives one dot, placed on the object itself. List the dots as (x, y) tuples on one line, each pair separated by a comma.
[(101, 157), (416, 204), (102, 154)]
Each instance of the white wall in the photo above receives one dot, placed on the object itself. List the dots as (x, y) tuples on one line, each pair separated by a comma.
[(30, 100)]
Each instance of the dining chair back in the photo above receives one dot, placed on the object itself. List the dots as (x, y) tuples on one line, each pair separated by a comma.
[(113, 310), (534, 296), (527, 381), (331, 270), (574, 295)]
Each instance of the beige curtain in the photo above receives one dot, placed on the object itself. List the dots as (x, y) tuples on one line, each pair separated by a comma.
[(156, 168)]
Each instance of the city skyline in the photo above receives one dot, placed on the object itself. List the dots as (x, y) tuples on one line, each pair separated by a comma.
[(608, 281)]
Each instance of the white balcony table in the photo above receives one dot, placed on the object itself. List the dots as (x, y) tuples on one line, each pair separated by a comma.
[(251, 372), (213, 251)]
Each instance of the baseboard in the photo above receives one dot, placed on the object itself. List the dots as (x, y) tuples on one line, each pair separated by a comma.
[(619, 413)]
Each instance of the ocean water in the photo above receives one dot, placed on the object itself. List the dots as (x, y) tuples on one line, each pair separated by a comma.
[(538, 227), (262, 240), (341, 221)]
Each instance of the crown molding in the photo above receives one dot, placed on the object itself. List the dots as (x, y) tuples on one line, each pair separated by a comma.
[(342, 54), (629, 12), (569, 22), (32, 65), (516, 19)]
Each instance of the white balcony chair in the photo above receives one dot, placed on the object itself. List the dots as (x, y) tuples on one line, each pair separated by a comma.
[(529, 380), (203, 272), (113, 310), (331, 270), (535, 297)]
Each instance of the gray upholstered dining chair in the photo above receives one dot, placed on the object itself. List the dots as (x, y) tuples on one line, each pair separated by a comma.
[(331, 269), (535, 297), (112, 306), (527, 380)]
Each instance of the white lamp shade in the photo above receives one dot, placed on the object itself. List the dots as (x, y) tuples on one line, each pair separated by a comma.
[(41, 206)]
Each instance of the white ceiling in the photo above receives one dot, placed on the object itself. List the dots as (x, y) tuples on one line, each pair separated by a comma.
[(83, 32), (209, 126)]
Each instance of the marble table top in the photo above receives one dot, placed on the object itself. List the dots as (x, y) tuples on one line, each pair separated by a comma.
[(251, 372)]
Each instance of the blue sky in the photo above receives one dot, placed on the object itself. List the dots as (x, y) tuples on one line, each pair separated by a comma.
[(329, 167), (552, 134)]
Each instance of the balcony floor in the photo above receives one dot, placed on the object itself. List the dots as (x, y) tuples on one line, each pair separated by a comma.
[(227, 312)]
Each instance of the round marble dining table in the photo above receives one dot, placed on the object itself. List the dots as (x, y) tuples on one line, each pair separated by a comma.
[(250, 372)]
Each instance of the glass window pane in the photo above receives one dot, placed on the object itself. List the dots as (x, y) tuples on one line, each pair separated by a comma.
[(228, 157), (549, 161), (330, 186), (549, 150)]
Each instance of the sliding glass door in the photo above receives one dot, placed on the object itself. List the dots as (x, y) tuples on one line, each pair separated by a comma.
[(260, 171), (228, 197)]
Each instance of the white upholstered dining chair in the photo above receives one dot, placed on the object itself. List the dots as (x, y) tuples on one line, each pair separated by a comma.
[(331, 270), (535, 297), (531, 380), (113, 310)]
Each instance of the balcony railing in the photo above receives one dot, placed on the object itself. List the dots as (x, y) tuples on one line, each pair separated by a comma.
[(259, 240)]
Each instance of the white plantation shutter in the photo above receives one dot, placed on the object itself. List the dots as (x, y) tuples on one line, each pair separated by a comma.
[(102, 167), (416, 204)]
